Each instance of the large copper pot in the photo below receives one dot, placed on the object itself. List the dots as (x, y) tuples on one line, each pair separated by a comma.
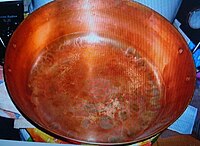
[(104, 72)]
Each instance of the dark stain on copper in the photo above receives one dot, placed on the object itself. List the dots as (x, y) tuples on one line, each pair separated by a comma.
[(106, 122)]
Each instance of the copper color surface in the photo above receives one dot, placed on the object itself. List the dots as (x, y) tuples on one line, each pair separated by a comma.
[(101, 72)]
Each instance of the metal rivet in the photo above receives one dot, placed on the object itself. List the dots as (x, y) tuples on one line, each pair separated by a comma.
[(14, 45), (9, 70), (180, 50), (188, 79)]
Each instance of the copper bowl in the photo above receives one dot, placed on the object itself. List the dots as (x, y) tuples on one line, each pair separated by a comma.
[(99, 72)]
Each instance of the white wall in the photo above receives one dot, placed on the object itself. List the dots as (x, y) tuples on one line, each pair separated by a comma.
[(167, 8)]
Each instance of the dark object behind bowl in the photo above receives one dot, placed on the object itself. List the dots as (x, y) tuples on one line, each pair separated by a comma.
[(11, 15)]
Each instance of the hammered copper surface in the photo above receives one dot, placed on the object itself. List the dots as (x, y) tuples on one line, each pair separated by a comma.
[(108, 72)]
